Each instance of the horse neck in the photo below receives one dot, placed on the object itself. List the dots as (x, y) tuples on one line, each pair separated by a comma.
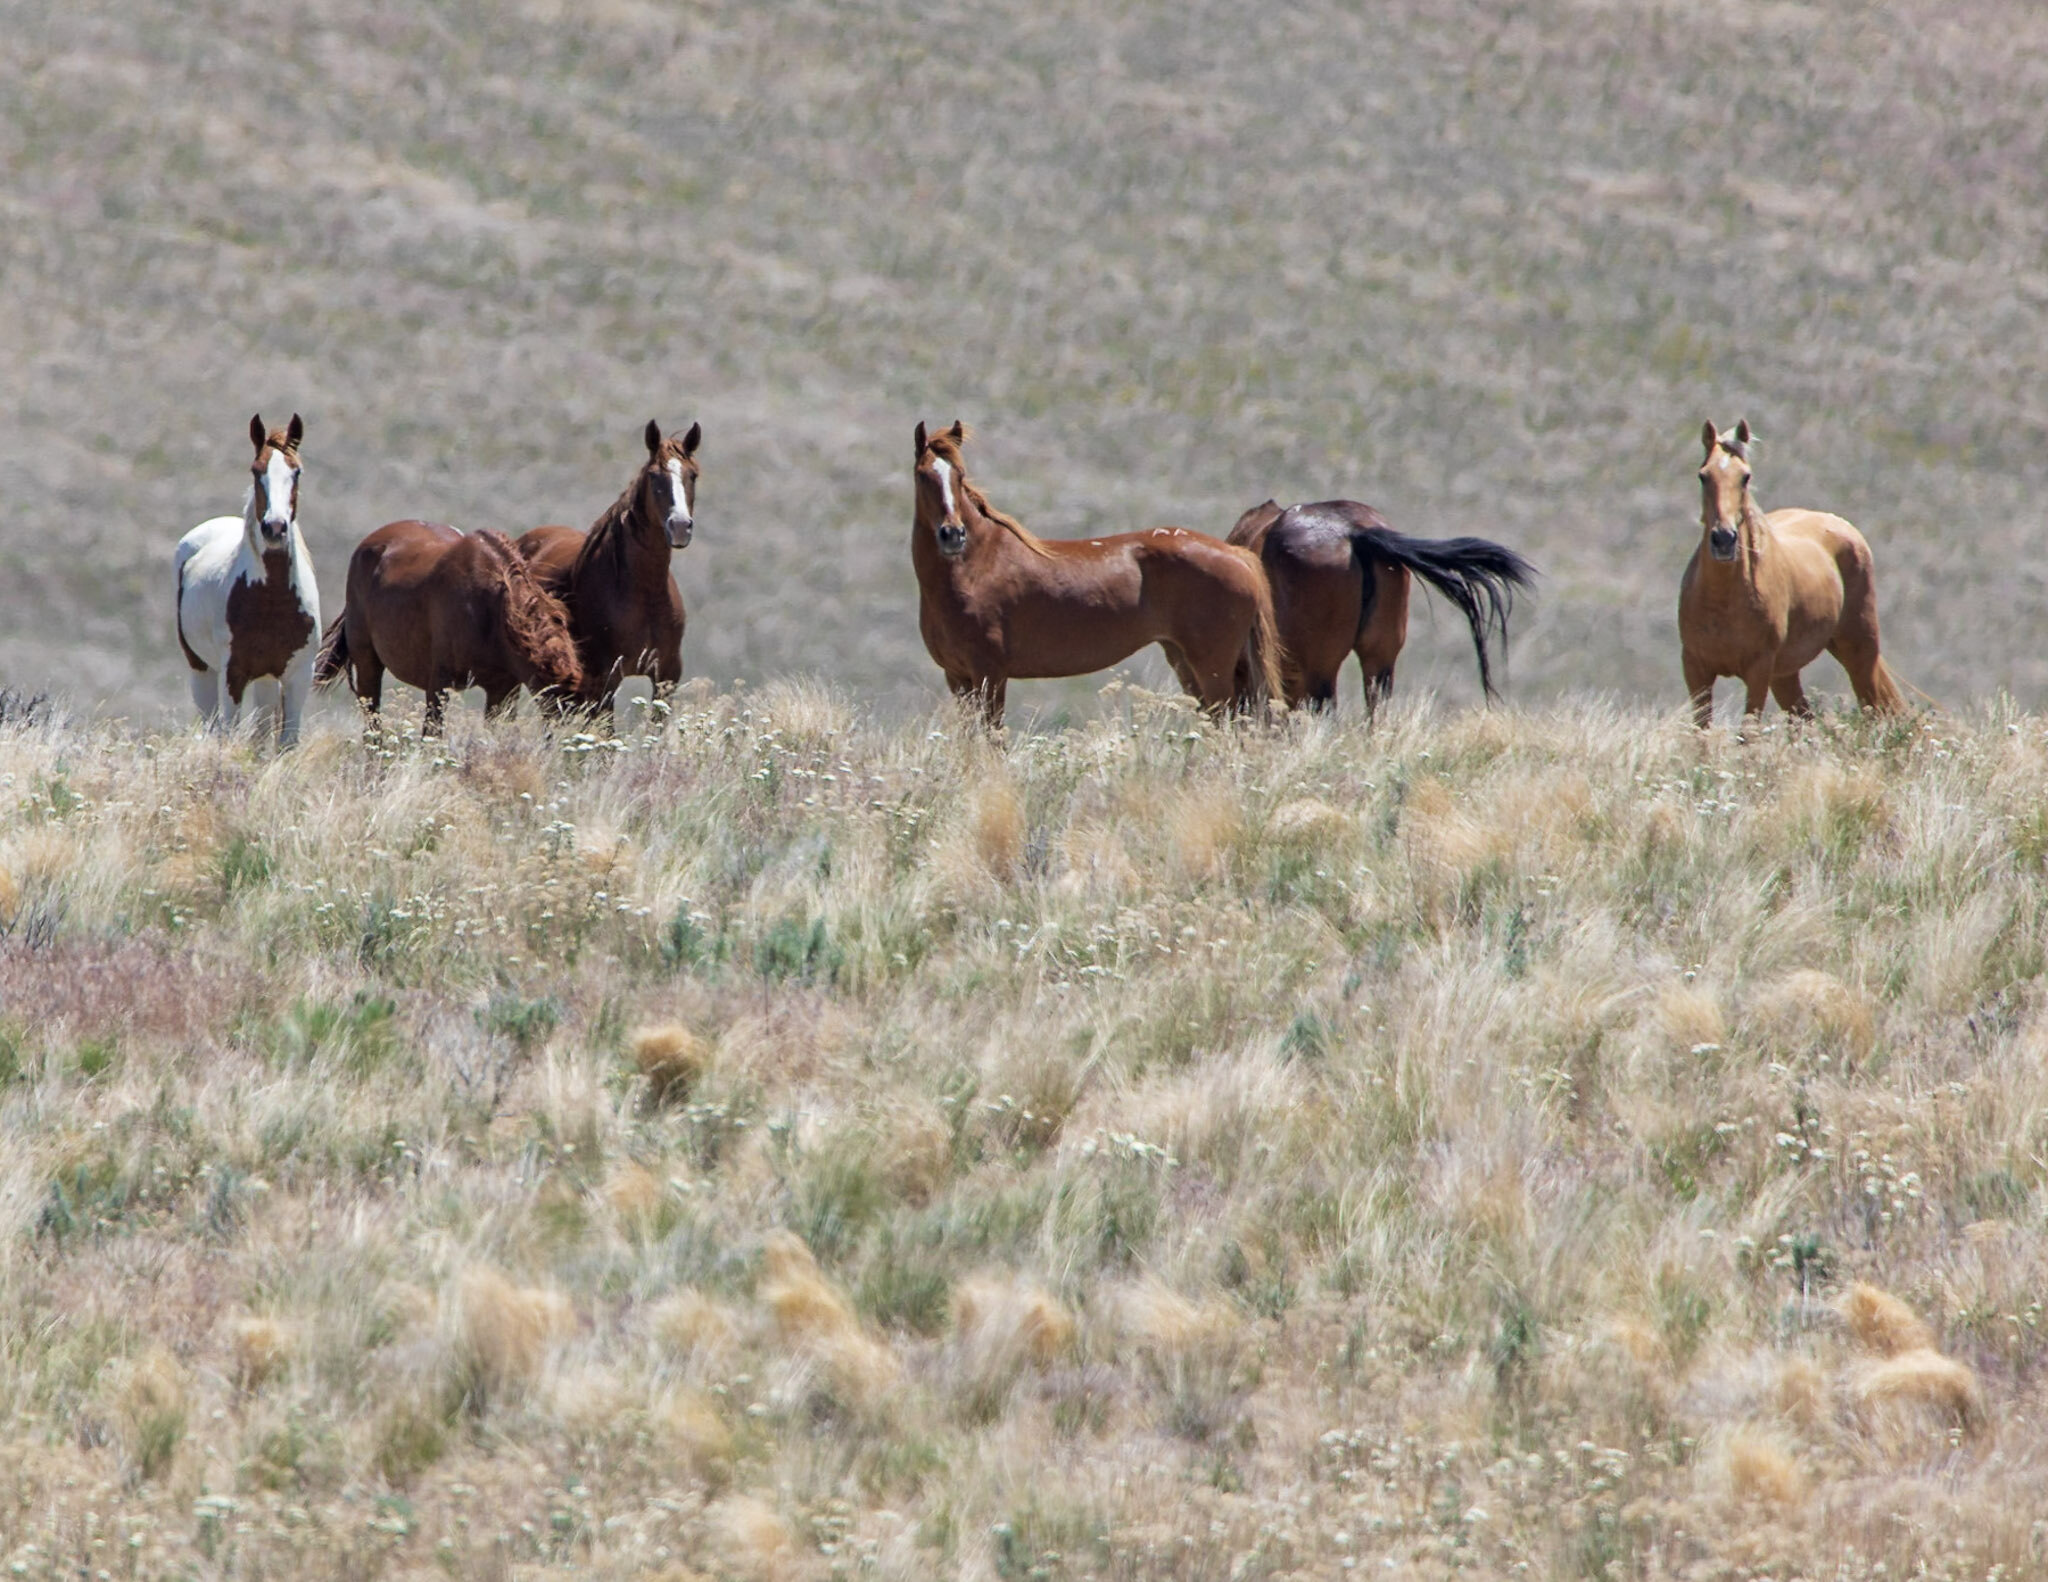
[(644, 552), (1752, 536), (258, 553)]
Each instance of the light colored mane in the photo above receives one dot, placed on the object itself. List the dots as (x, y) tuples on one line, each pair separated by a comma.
[(947, 449)]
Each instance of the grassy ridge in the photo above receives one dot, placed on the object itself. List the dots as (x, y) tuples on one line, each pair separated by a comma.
[(784, 1144), (1487, 267)]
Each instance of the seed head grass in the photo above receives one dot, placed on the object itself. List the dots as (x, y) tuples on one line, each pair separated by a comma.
[(773, 1139)]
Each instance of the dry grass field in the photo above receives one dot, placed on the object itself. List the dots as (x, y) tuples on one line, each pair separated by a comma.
[(799, 1137), (1485, 265), (778, 1144)]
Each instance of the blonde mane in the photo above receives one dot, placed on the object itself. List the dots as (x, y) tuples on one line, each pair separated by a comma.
[(947, 449)]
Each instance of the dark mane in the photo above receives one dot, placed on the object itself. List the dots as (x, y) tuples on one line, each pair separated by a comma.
[(607, 535), (947, 449)]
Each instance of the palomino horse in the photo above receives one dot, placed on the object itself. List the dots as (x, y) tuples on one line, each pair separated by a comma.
[(248, 607), (1340, 587), (442, 609), (997, 602), (1764, 595), (623, 602)]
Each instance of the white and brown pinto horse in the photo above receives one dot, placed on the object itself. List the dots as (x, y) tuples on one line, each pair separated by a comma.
[(997, 602), (1765, 596), (248, 608)]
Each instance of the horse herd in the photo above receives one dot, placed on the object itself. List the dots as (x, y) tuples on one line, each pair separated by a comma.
[(1269, 613)]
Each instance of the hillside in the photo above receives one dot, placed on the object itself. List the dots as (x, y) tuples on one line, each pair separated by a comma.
[(787, 1144), (1485, 266)]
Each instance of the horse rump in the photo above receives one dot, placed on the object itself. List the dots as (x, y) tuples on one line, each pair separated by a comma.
[(332, 661)]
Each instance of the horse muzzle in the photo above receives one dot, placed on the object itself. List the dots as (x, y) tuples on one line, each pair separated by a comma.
[(274, 532), (1721, 542), (679, 530), (952, 537)]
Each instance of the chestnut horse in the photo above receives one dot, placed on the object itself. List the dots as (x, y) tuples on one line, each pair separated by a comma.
[(623, 602), (1340, 579), (248, 607), (997, 602), (441, 609), (1764, 595)]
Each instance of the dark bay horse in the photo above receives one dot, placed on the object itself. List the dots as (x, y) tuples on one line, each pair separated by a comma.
[(623, 602), (1764, 596), (1340, 580), (441, 609), (997, 602)]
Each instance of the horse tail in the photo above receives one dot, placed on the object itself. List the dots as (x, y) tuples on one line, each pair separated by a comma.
[(1475, 574), (184, 554), (333, 659), (1263, 652), (1885, 695), (536, 622)]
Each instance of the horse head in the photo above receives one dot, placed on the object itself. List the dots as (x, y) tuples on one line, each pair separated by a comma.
[(666, 494), (938, 477), (1724, 488), (273, 508)]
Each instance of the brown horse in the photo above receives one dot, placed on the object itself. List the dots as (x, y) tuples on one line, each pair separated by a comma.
[(1340, 580), (623, 602), (441, 609), (1764, 595), (997, 602)]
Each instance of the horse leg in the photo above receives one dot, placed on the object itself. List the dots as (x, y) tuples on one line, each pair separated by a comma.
[(1177, 661), (292, 693), (1699, 686), (496, 699), (1756, 688), (206, 696), (1873, 684), (1791, 696), (437, 699)]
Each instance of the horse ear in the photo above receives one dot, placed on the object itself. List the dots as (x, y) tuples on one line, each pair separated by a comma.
[(1709, 436), (257, 433), (919, 454), (690, 439), (295, 433), (1742, 433), (958, 431), (653, 436)]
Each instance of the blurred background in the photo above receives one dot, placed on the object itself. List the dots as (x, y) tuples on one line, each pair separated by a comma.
[(1484, 266)]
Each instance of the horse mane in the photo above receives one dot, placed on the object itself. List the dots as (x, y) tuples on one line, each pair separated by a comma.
[(947, 449), (535, 620), (607, 535)]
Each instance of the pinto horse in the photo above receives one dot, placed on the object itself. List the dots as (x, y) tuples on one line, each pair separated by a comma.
[(623, 602), (441, 609), (1764, 595), (248, 607), (997, 602), (1340, 579)]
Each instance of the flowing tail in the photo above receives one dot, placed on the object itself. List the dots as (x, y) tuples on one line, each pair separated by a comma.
[(1264, 655), (1885, 696), (1476, 574), (333, 660), (536, 622)]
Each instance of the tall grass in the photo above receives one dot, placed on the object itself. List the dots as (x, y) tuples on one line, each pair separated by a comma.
[(778, 1142)]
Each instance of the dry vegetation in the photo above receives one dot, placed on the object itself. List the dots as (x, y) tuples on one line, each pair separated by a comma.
[(1486, 265), (782, 1144)]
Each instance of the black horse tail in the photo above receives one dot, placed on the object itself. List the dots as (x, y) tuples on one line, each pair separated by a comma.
[(1477, 575), (333, 660)]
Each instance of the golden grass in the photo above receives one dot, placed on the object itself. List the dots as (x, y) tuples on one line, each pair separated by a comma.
[(1248, 1200)]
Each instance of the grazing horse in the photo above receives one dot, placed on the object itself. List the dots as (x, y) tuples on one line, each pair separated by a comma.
[(1340, 587), (248, 607), (623, 602), (1764, 595), (998, 602), (442, 609)]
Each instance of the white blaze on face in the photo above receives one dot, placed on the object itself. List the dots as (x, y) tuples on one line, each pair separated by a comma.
[(945, 471), (681, 507), (277, 489)]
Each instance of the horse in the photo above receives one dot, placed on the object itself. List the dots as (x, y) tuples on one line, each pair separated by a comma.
[(1340, 579), (441, 609), (623, 602), (248, 606), (996, 602), (1763, 595)]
